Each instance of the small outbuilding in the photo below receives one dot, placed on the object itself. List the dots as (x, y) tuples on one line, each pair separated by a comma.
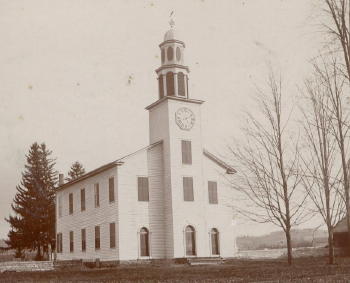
[(340, 234)]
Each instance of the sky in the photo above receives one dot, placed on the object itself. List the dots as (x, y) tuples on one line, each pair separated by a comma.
[(77, 74)]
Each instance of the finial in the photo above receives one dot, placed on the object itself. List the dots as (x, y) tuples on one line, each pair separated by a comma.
[(172, 22)]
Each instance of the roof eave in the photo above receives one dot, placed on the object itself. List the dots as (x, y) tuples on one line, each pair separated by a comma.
[(90, 174), (190, 100), (222, 164)]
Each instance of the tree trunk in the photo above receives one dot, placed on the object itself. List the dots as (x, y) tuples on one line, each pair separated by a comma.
[(330, 246), (38, 253), (289, 246)]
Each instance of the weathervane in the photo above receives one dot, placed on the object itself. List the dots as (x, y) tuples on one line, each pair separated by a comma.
[(172, 22)]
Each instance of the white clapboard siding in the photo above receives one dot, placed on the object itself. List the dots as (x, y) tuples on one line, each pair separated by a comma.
[(223, 209), (134, 214), (157, 220), (186, 213), (103, 215), (160, 130)]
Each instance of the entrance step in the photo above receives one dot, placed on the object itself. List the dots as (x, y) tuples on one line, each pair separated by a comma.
[(205, 260)]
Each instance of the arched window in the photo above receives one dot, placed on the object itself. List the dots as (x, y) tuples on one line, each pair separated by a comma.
[(181, 84), (144, 242), (170, 84), (161, 86), (178, 54), (214, 235), (190, 235), (163, 55), (170, 53)]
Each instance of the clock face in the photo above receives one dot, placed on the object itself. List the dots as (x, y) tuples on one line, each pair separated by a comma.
[(185, 118)]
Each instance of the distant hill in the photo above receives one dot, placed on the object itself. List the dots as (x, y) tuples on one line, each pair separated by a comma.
[(275, 240)]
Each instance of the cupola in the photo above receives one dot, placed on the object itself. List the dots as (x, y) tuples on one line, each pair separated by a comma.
[(172, 74)]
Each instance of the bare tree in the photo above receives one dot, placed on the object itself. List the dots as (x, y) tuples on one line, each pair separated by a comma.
[(339, 13), (268, 166), (334, 83), (318, 157)]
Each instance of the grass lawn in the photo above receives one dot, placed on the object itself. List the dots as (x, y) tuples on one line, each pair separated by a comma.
[(239, 270)]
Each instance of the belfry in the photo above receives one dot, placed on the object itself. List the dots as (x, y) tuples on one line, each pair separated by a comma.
[(172, 74)]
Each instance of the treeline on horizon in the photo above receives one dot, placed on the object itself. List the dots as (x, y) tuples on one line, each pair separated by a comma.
[(302, 238)]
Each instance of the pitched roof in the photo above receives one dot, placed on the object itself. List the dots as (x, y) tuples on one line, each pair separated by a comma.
[(118, 162), (218, 161), (105, 167)]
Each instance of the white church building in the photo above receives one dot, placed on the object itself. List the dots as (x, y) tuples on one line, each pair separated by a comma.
[(167, 200)]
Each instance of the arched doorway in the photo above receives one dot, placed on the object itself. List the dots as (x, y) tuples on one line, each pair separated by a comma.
[(190, 235), (144, 242), (214, 235)]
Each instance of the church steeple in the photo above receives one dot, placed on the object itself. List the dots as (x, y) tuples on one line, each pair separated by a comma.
[(172, 74)]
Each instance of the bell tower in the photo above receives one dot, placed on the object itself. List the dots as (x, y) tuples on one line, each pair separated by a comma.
[(175, 119), (172, 74)]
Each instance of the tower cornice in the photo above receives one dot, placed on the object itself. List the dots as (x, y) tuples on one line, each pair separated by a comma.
[(173, 66), (172, 41), (196, 101)]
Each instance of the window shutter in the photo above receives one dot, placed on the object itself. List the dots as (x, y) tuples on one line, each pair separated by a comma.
[(61, 243), (111, 189), (143, 189), (71, 203), (97, 195), (82, 199), (83, 240), (188, 188), (186, 152), (71, 241), (112, 235), (213, 192), (97, 237)]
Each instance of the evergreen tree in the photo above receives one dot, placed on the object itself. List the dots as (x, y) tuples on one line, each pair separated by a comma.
[(33, 225), (75, 171)]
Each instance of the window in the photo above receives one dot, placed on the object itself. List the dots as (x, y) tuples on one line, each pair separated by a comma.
[(59, 243), (142, 186), (144, 242), (181, 84), (188, 188), (190, 236), (112, 235), (213, 192), (97, 194), (111, 189), (97, 237), (161, 86), (71, 241), (83, 240), (82, 199), (170, 84), (71, 203), (214, 237), (186, 152), (59, 200), (178, 54), (163, 55), (170, 53)]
